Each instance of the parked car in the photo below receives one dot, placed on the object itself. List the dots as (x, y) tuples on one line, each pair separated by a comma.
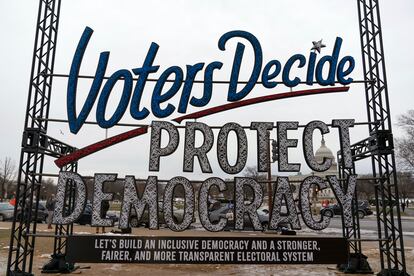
[(334, 209), (41, 212), (219, 210), (178, 215), (223, 208), (263, 214), (86, 216), (386, 202), (6, 211)]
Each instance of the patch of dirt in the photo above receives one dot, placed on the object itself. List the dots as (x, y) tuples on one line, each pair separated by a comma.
[(44, 247)]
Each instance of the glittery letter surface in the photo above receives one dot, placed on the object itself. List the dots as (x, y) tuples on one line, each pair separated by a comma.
[(263, 129), (190, 151), (98, 197), (344, 126), (304, 193), (75, 179), (344, 197), (171, 222), (203, 204), (283, 191), (241, 149), (308, 146), (250, 209), (156, 151), (131, 198), (283, 144)]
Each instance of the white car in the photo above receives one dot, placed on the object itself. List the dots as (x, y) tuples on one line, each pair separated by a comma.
[(6, 211)]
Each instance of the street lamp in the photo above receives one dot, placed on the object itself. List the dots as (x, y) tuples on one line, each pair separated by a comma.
[(272, 143)]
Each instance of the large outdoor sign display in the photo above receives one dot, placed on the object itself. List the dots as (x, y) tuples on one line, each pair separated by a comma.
[(170, 109), (324, 71)]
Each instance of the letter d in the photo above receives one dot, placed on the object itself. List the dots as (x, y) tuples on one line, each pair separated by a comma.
[(333, 61), (233, 95), (59, 214)]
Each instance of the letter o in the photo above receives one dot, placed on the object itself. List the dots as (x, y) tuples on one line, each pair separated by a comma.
[(123, 103)]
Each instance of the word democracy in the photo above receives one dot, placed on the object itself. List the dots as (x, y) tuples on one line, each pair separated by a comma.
[(344, 192), (242, 206), (322, 71)]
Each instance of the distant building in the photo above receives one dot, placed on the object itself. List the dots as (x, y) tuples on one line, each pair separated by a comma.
[(320, 154), (325, 152)]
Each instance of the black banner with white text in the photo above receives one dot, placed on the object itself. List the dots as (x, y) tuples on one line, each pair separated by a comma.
[(208, 250)]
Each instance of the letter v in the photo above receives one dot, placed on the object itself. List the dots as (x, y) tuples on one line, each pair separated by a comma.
[(75, 123)]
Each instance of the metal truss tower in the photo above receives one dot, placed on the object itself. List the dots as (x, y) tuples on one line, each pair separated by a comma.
[(380, 149), (36, 144)]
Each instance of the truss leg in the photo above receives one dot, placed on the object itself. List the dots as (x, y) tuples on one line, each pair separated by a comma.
[(357, 261), (58, 263), (381, 152), (35, 146), (20, 259)]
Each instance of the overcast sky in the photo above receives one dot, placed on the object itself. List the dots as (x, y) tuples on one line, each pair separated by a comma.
[(187, 33)]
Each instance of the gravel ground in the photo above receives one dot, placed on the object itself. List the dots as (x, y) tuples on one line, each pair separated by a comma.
[(44, 248)]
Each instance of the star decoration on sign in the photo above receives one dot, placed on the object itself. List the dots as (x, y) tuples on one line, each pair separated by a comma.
[(318, 45)]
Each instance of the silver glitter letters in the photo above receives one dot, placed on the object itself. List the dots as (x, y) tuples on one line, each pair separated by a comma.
[(343, 126), (188, 204), (263, 129), (190, 151), (308, 146), (283, 191), (203, 204), (149, 198), (250, 209), (80, 198), (283, 144), (98, 197), (344, 199), (241, 150), (304, 192), (156, 151)]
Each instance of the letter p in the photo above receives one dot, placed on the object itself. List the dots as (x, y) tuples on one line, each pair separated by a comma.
[(156, 151)]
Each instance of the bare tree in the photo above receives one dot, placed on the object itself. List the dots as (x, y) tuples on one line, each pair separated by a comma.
[(48, 188), (405, 185), (405, 145), (252, 172), (7, 174), (366, 187), (11, 189)]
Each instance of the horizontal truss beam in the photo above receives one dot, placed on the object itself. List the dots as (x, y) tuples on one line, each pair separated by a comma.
[(200, 81)]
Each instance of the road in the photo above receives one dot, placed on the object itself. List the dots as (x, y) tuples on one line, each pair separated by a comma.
[(370, 223), (368, 228)]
